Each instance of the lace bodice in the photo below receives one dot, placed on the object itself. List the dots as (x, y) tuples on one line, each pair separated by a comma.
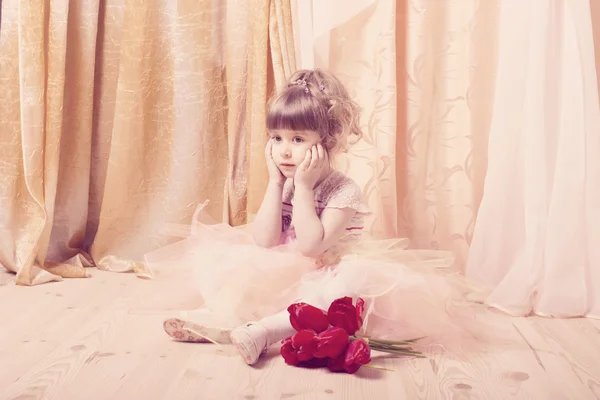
[(336, 191)]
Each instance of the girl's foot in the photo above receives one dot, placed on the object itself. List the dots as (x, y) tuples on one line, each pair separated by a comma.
[(185, 330), (251, 341)]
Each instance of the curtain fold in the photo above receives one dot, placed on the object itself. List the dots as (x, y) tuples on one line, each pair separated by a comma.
[(69, 102)]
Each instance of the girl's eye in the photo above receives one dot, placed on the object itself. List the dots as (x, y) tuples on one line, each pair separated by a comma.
[(276, 138), (298, 140)]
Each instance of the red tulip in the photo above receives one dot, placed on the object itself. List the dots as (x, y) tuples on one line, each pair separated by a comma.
[(331, 343), (304, 316), (357, 354), (299, 348), (343, 314), (336, 364), (314, 363)]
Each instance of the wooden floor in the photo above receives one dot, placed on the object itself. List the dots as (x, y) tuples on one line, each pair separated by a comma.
[(101, 338)]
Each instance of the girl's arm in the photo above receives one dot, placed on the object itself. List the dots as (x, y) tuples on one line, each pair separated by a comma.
[(266, 228), (314, 236)]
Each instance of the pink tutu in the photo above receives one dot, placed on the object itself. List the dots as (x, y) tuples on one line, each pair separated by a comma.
[(408, 293)]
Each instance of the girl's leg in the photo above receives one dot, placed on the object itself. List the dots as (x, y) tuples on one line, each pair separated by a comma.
[(254, 338)]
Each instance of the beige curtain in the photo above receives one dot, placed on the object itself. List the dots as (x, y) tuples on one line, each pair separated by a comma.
[(117, 117), (423, 71)]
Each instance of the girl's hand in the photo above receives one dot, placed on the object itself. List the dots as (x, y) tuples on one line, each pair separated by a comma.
[(311, 169), (275, 175)]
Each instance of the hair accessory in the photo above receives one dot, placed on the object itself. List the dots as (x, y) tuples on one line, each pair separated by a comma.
[(321, 88), (302, 82)]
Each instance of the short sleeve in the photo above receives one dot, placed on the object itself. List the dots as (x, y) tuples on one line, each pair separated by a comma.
[(348, 195)]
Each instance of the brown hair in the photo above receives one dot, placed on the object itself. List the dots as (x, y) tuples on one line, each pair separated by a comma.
[(316, 100)]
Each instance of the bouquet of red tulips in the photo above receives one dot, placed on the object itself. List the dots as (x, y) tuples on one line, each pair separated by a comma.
[(328, 339)]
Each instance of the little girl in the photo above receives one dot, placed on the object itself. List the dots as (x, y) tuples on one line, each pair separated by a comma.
[(306, 241)]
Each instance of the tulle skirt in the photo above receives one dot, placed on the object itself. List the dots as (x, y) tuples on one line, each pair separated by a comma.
[(408, 293)]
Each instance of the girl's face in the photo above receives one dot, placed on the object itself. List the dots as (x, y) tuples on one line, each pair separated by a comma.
[(290, 147)]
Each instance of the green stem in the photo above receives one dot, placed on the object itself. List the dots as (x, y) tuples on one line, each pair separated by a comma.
[(394, 348), (403, 353), (391, 346), (383, 341)]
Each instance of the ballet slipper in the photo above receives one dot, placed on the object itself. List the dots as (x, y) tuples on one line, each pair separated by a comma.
[(188, 331), (251, 341)]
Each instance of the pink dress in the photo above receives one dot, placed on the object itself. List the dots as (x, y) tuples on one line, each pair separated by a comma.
[(408, 293)]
